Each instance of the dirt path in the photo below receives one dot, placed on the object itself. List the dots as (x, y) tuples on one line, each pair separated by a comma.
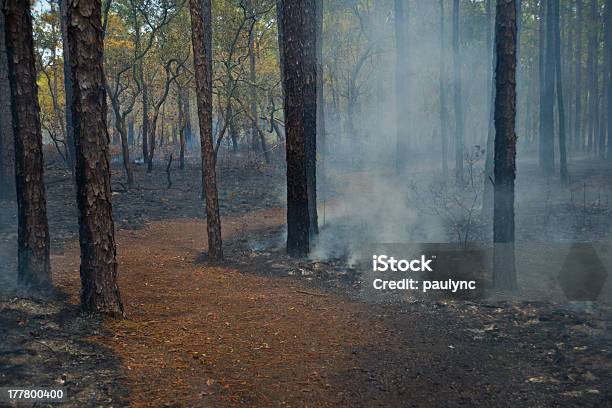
[(209, 336)]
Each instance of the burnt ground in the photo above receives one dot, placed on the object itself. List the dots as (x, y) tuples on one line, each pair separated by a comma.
[(262, 329)]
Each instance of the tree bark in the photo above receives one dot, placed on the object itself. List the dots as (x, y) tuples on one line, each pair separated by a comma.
[(504, 275), (201, 38), (296, 118), (34, 268), (7, 140), (310, 44), (458, 99), (99, 289)]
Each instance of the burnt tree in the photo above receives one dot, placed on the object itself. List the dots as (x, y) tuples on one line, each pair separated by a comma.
[(504, 273), (34, 268), (300, 76), (7, 153), (99, 289), (201, 38)]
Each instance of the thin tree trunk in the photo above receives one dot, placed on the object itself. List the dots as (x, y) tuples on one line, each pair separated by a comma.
[(99, 289), (401, 85), (504, 275), (458, 99), (321, 136), (34, 267), (253, 79), (442, 90), (608, 73), (549, 95), (67, 87), (542, 83), (559, 86), (7, 140), (591, 78), (487, 197), (201, 38), (578, 102)]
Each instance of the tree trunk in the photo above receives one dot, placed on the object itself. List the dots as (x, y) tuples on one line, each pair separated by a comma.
[(321, 136), (67, 86), (504, 275), (99, 290), (181, 126), (442, 90), (34, 269), (131, 131), (608, 73), (7, 140), (188, 128), (487, 195), (577, 138), (252, 78), (296, 124), (458, 99), (201, 38), (559, 86), (542, 83), (310, 108), (401, 86), (547, 105), (591, 78)]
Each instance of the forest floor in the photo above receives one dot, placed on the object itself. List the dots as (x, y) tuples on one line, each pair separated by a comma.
[(262, 329)]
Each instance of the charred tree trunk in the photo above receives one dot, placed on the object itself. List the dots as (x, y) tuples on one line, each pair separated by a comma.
[(298, 121), (201, 38), (67, 87), (130, 131), (401, 86), (310, 105), (458, 99), (99, 289), (559, 87), (34, 269), (504, 275), (7, 140)]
